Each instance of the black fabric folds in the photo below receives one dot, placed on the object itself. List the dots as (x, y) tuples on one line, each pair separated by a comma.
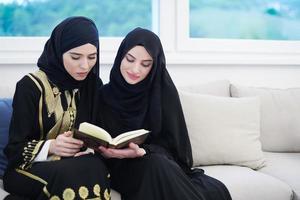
[(152, 104), (71, 33)]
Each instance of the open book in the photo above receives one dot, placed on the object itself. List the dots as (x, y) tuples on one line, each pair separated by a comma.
[(94, 136)]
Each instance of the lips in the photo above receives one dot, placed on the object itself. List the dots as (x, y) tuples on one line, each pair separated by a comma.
[(82, 74), (133, 76)]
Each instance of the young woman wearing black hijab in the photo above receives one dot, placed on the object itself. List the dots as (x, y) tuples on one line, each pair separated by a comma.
[(141, 94), (44, 160)]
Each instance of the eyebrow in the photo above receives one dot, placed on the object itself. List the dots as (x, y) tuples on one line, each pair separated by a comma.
[(79, 54), (135, 58)]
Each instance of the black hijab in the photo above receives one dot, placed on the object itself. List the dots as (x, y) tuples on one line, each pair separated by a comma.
[(153, 103), (71, 33)]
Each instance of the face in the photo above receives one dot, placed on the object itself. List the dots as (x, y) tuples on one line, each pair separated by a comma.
[(80, 60), (136, 65)]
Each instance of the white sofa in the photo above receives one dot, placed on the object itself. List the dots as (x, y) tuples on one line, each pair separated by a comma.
[(248, 138)]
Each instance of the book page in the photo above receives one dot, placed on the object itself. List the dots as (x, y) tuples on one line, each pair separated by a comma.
[(94, 131), (128, 135)]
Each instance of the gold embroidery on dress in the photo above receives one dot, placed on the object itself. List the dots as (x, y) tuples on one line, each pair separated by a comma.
[(46, 191), (55, 198), (83, 192), (32, 176), (64, 120), (68, 194), (106, 194), (97, 190)]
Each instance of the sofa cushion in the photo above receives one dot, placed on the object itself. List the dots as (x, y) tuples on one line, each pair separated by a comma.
[(3, 193), (223, 130), (216, 88), (280, 116), (5, 110), (246, 184), (284, 167)]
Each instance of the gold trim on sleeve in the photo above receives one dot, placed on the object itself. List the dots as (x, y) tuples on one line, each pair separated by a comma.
[(40, 105), (30, 152)]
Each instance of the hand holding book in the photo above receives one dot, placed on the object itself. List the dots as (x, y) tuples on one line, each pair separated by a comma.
[(94, 136), (133, 151)]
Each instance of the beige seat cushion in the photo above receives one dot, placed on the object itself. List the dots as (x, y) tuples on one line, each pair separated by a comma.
[(286, 167), (246, 184)]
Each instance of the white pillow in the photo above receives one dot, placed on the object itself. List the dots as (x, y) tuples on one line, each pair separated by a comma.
[(216, 88), (280, 116), (223, 130)]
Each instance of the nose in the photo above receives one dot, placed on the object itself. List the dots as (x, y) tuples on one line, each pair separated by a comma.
[(136, 68), (84, 64)]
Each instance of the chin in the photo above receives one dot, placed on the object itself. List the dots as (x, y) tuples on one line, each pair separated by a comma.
[(131, 82), (80, 78)]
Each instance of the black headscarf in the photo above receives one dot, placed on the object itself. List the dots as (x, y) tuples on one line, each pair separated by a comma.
[(153, 103), (71, 33)]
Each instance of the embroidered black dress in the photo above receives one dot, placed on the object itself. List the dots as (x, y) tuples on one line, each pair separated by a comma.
[(153, 104), (47, 103)]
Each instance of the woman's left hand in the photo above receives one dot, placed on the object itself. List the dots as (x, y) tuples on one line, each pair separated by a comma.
[(133, 151)]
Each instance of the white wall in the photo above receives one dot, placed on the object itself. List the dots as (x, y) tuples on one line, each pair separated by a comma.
[(267, 76)]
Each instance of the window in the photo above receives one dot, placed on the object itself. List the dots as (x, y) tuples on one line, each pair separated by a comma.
[(184, 41), (25, 25), (114, 18), (245, 19), (213, 50)]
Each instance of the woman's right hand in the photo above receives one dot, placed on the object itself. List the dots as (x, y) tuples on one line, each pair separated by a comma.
[(65, 145)]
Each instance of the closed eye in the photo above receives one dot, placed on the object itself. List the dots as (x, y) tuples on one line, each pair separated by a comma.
[(75, 57), (147, 63), (129, 59)]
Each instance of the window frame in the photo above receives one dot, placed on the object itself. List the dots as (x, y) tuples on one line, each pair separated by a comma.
[(232, 51), (173, 29)]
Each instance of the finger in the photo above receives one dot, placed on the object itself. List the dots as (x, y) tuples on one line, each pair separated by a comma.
[(133, 146), (66, 154), (68, 134), (122, 153), (69, 151), (110, 153), (141, 152), (73, 141), (67, 145), (81, 153)]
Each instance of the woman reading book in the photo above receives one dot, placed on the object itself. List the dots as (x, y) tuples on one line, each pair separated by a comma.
[(141, 94), (43, 161)]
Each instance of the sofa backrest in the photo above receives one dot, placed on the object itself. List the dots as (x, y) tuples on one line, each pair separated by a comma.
[(5, 115), (280, 116)]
